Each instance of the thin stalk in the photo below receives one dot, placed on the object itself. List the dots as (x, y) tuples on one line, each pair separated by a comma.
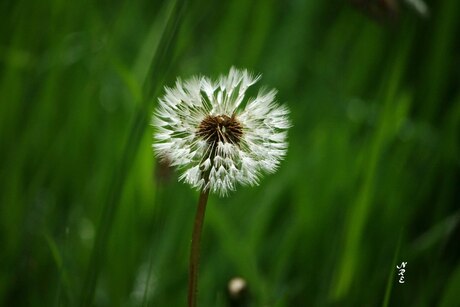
[(195, 249)]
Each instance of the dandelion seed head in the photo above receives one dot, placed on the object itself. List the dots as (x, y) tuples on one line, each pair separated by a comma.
[(216, 136)]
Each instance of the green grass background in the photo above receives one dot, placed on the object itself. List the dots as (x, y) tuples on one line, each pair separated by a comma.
[(371, 179)]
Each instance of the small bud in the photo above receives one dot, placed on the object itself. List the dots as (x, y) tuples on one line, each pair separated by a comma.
[(238, 293)]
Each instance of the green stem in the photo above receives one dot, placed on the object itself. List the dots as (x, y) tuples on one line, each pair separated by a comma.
[(195, 249)]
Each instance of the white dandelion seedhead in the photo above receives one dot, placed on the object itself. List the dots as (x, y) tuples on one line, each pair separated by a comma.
[(216, 136)]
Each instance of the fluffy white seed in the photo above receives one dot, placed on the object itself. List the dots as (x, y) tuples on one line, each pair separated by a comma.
[(249, 137)]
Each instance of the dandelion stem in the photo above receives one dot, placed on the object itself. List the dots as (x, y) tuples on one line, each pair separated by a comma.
[(195, 249)]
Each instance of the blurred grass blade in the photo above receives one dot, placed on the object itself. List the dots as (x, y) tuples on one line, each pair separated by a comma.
[(122, 169), (436, 234), (64, 277), (386, 299), (151, 44), (359, 212), (450, 296)]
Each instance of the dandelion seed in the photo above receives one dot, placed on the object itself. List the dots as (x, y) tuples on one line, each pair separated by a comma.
[(216, 136)]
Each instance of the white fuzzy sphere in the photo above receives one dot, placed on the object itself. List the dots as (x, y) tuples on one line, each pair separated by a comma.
[(249, 136)]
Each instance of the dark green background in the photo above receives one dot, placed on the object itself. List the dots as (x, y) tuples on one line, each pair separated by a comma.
[(371, 178)]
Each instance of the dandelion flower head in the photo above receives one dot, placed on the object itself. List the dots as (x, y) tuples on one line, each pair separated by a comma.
[(216, 136)]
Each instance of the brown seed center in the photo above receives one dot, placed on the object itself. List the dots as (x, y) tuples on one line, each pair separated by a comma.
[(220, 128)]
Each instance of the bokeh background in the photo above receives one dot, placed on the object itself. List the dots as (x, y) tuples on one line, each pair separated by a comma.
[(89, 218)]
